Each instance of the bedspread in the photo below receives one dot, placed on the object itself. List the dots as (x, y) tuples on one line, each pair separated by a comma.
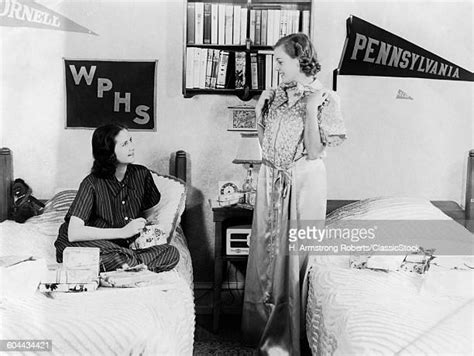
[(152, 320), (130, 321), (363, 312)]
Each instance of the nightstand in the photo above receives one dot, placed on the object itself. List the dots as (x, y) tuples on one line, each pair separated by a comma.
[(225, 217)]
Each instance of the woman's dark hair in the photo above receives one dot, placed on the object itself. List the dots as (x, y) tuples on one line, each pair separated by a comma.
[(103, 150), (298, 45)]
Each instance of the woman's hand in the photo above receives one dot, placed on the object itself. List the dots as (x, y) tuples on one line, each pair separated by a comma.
[(133, 227), (265, 98)]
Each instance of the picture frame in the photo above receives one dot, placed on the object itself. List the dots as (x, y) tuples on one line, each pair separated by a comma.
[(242, 118)]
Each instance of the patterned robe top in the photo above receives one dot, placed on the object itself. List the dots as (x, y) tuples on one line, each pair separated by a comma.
[(283, 138)]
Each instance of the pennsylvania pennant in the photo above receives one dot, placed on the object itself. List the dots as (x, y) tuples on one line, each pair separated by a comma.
[(371, 51)]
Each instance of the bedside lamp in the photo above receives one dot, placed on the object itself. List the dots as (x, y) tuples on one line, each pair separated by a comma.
[(249, 152)]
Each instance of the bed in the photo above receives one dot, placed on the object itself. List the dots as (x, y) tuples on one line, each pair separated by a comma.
[(352, 311), (157, 319)]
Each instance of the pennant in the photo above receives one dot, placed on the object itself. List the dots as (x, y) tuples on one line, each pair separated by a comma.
[(371, 51), (402, 95), (27, 13)]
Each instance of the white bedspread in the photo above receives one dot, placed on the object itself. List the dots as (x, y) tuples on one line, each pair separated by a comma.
[(361, 312), (155, 320), (367, 312)]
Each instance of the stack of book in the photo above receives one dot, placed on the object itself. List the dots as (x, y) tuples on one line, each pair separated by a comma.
[(221, 69), (264, 74), (78, 273), (209, 69), (224, 24), (267, 26)]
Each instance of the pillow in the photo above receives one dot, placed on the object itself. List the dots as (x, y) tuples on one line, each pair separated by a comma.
[(388, 208), (54, 212), (167, 213), (61, 202)]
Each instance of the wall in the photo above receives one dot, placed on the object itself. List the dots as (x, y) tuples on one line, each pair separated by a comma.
[(50, 157), (401, 147)]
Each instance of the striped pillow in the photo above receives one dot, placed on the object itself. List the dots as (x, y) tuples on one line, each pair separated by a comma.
[(61, 202)]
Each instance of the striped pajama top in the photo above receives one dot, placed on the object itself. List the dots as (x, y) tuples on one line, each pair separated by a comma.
[(108, 203)]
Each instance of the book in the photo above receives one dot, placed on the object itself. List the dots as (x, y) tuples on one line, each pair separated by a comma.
[(210, 54), (276, 25), (190, 20), (268, 71), (236, 22), (222, 69), (254, 70), (202, 68), (263, 35), (296, 21), (199, 22), (283, 23), (207, 23), (229, 24), (271, 17), (221, 23), (261, 71), (240, 70), (258, 27), (252, 26), (215, 65), (189, 67), (305, 25), (196, 67), (214, 23), (243, 26)]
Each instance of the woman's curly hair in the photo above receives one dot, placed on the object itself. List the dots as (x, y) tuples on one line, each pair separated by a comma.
[(103, 150), (298, 45)]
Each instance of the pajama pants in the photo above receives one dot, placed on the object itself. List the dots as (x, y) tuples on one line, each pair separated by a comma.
[(112, 256)]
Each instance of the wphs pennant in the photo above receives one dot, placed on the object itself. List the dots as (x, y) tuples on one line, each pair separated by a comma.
[(27, 13)]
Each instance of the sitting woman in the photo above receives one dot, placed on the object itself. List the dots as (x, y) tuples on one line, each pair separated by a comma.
[(108, 209)]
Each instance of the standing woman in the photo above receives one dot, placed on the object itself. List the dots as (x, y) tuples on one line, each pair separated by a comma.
[(296, 123), (107, 211)]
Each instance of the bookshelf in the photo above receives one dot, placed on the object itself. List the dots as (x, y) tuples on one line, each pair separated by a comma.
[(228, 44)]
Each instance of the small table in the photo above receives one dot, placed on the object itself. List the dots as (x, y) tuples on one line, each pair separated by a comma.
[(225, 217)]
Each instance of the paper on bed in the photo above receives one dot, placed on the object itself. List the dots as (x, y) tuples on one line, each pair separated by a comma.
[(20, 279)]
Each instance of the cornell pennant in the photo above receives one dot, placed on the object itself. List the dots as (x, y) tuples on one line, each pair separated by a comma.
[(379, 52), (23, 12)]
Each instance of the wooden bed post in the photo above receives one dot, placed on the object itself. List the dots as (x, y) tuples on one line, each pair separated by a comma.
[(469, 207), (6, 169), (180, 165)]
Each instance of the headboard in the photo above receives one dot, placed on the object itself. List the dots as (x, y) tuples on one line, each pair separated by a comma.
[(450, 208)]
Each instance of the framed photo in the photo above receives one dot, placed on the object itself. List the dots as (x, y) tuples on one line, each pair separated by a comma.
[(242, 118)]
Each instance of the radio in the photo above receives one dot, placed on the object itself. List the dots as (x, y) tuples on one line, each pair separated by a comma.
[(238, 240)]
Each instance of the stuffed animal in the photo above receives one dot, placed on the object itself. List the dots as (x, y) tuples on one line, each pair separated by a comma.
[(24, 204)]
